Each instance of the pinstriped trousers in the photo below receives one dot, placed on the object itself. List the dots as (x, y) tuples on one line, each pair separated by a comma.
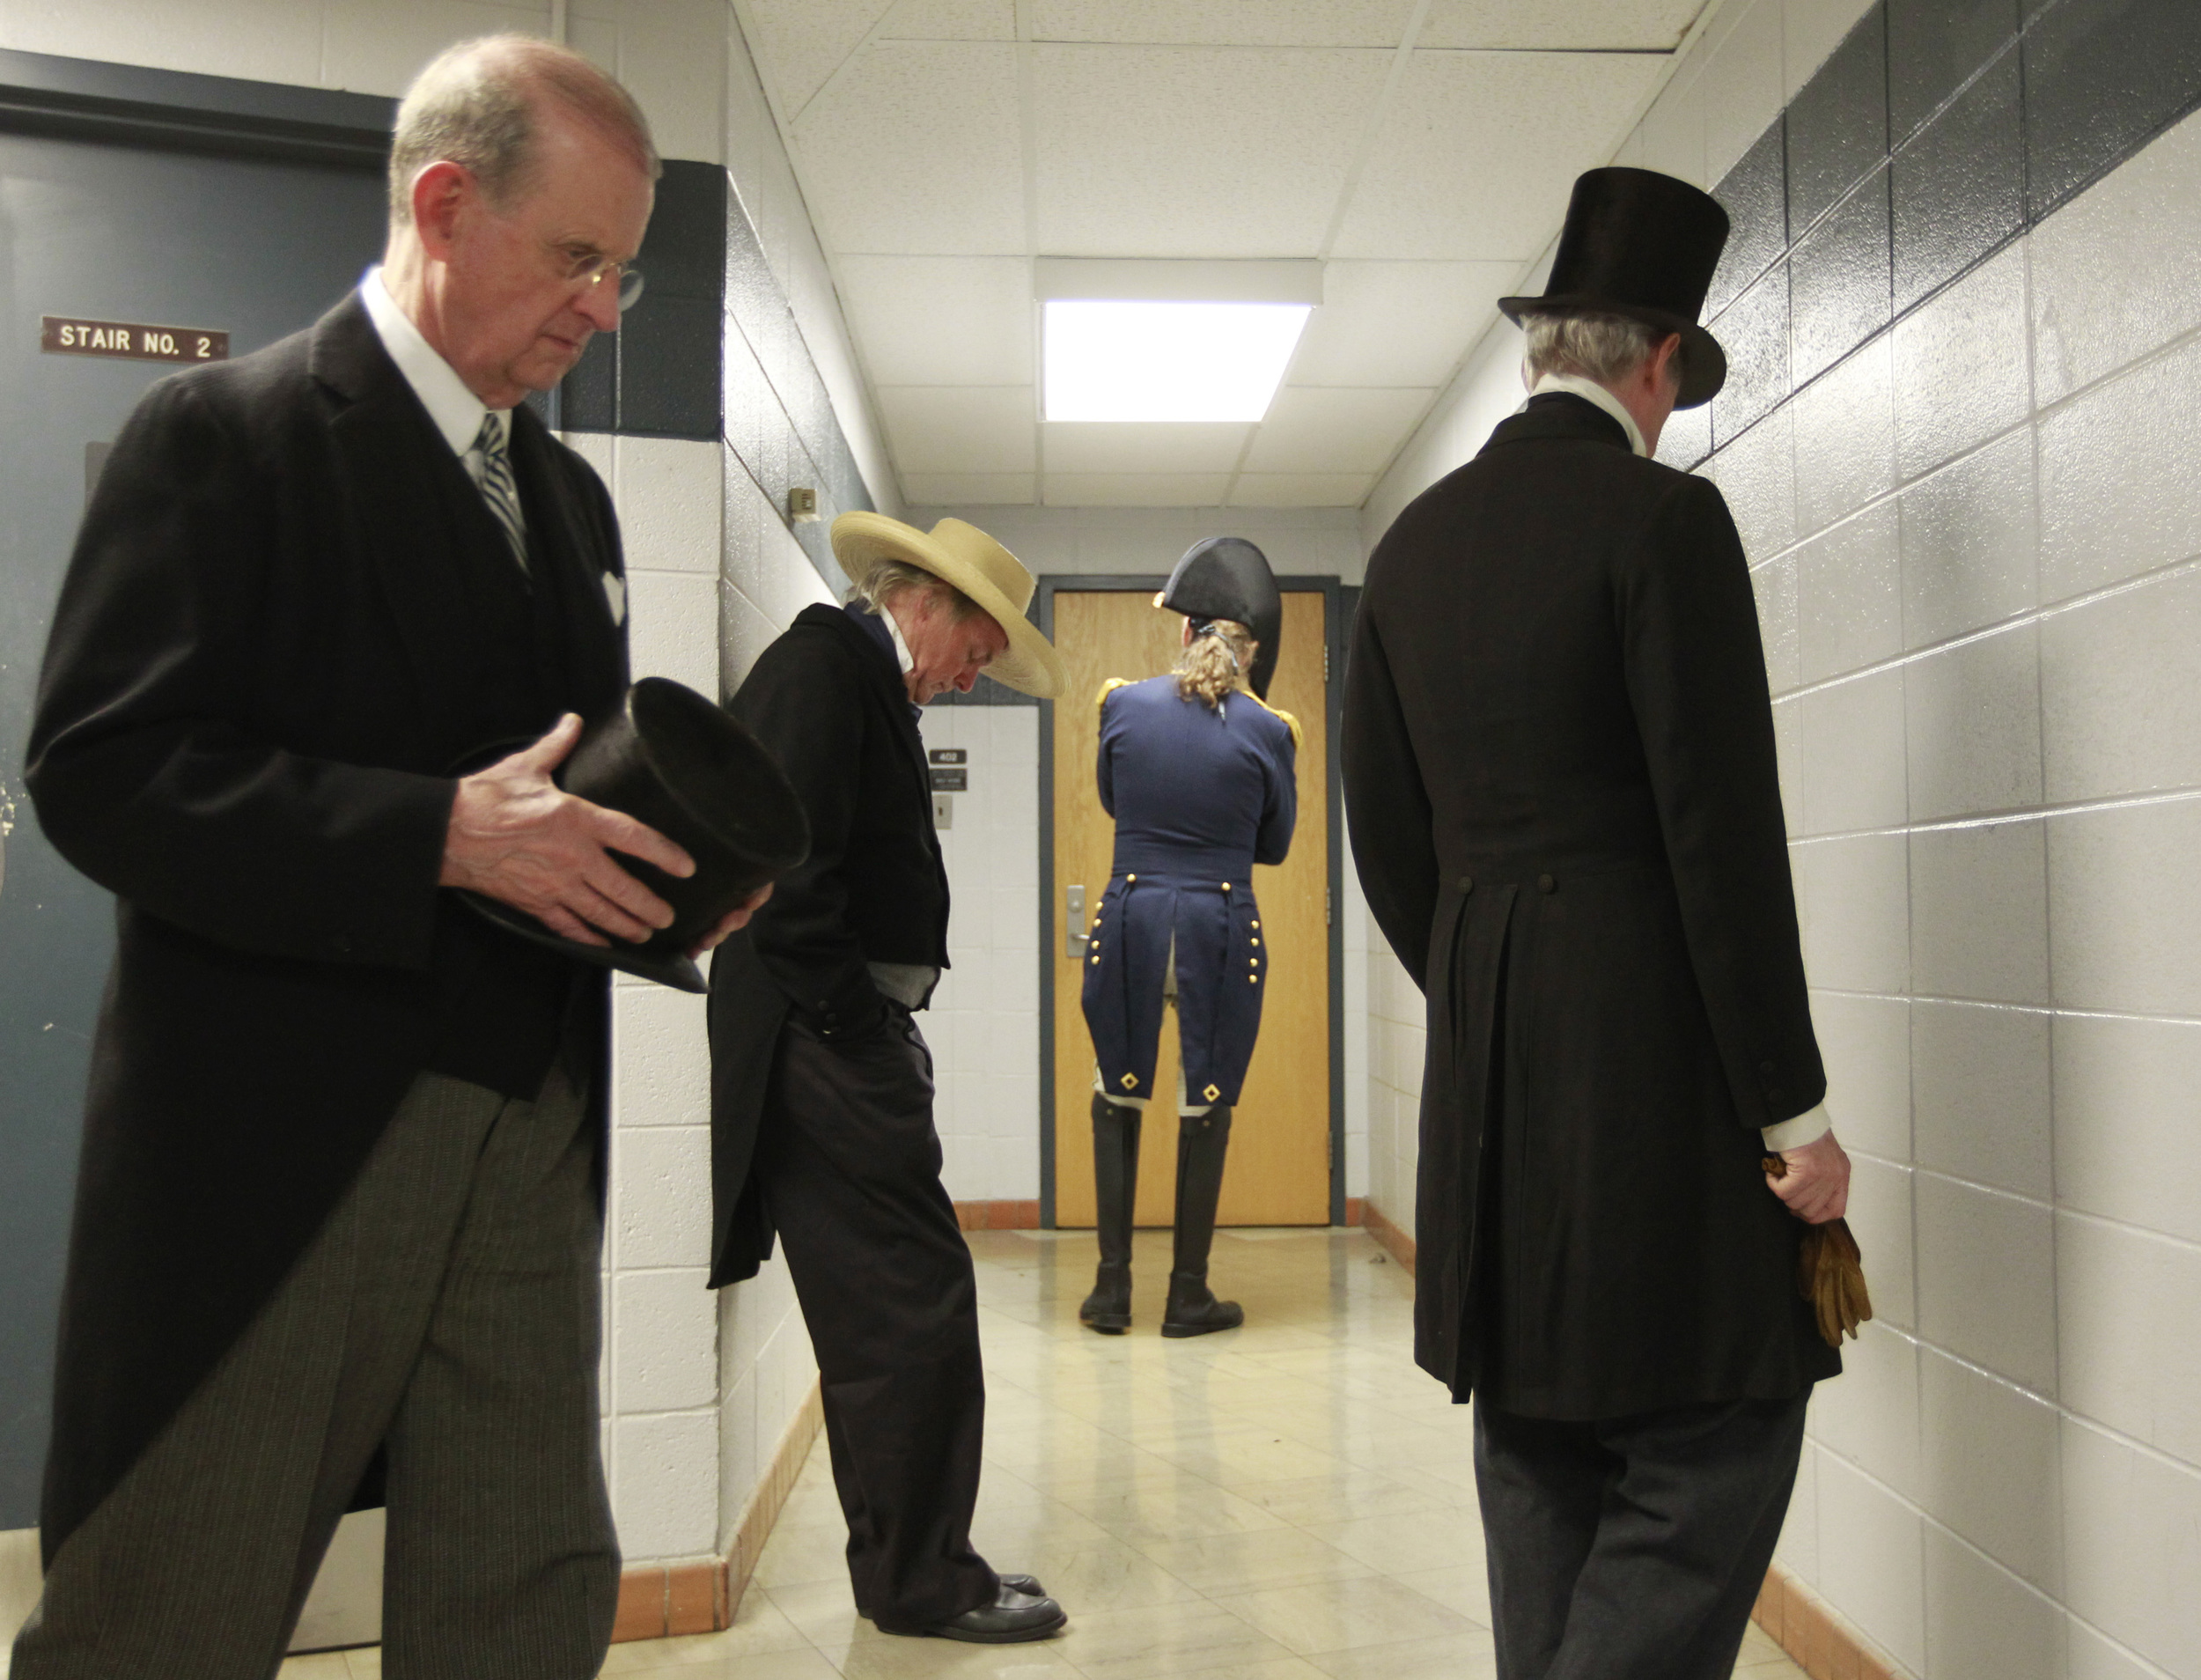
[(448, 1308)]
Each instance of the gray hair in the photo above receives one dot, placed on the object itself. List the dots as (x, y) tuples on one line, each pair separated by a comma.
[(892, 578), (476, 106), (1604, 348)]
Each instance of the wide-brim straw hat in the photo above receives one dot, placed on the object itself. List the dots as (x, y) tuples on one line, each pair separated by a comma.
[(961, 555)]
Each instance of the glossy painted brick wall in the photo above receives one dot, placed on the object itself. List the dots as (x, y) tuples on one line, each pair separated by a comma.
[(1964, 317)]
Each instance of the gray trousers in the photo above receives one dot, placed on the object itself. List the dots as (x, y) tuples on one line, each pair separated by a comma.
[(1631, 1548), (448, 1308)]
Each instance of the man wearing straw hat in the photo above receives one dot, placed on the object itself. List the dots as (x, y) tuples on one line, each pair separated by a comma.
[(1560, 773), (821, 1122)]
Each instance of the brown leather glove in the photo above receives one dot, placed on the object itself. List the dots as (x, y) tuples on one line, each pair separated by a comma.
[(1830, 1273)]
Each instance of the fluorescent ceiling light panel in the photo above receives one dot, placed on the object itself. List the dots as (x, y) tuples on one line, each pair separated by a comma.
[(1141, 359)]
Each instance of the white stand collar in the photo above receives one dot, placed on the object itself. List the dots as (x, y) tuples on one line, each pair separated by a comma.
[(1591, 391)]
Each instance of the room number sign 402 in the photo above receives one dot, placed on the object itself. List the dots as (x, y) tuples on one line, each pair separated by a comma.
[(131, 341)]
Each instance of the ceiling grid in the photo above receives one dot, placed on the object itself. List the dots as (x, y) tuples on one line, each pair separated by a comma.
[(1421, 150)]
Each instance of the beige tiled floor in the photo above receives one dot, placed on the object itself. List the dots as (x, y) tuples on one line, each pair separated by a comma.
[(1289, 1501)]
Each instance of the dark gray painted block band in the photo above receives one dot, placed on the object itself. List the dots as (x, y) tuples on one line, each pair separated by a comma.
[(1933, 135)]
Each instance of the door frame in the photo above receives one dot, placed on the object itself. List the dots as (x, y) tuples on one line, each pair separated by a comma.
[(1334, 600)]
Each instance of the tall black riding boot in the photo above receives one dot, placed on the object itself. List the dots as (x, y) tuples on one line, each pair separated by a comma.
[(1115, 1188), (1193, 1310)]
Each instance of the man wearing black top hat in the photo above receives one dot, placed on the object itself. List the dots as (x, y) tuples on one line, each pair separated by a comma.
[(1559, 772), (822, 1084)]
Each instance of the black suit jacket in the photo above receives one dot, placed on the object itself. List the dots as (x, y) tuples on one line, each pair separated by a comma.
[(830, 705), (1560, 775), (258, 679)]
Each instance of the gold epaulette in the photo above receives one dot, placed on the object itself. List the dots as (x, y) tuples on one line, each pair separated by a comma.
[(1299, 735), (1108, 688)]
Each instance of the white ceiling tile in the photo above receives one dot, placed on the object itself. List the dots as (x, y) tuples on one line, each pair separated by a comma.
[(1331, 430), (966, 428), (1195, 151), (967, 489), (1301, 489), (941, 321), (1568, 25), (1225, 23), (1135, 490), (1141, 447), (1479, 150), (951, 21), (1398, 323), (799, 43), (916, 150)]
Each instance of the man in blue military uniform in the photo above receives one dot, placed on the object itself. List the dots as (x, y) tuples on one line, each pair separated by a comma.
[(1198, 771)]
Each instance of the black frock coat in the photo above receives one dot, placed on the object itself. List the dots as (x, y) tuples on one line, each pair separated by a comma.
[(829, 701), (1200, 794), (1559, 774), (260, 671)]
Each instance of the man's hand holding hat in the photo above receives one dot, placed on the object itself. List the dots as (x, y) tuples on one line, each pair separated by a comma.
[(518, 837)]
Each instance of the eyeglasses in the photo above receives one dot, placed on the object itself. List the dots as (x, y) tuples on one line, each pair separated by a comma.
[(585, 272)]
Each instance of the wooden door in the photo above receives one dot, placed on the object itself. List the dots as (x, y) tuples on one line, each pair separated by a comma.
[(1278, 1171)]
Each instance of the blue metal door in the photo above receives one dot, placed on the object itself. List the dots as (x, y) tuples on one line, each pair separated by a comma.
[(120, 233)]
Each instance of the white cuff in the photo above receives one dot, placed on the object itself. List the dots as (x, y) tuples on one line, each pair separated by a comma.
[(1806, 1128)]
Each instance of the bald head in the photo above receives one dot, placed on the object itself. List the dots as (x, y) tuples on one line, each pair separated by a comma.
[(483, 104), (521, 179)]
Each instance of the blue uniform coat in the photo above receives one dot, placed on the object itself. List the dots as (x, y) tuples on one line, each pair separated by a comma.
[(1199, 796)]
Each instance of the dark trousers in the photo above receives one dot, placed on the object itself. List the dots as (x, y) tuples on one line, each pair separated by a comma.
[(448, 1310), (850, 1169), (1631, 1548)]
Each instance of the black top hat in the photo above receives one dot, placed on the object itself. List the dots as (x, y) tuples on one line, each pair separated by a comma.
[(1229, 577), (670, 758), (1641, 245)]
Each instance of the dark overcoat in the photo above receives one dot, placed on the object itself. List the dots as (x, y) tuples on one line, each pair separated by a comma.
[(1559, 773), (263, 664), (829, 701), (1200, 794)]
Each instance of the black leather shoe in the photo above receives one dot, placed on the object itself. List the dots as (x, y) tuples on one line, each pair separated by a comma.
[(1013, 1618), (1193, 1310), (1028, 1584), (1108, 1307)]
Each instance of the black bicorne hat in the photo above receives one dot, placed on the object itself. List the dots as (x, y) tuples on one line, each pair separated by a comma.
[(1641, 245), (1229, 577), (670, 758)]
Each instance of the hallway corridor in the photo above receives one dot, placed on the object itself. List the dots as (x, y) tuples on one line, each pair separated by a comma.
[(1290, 1501)]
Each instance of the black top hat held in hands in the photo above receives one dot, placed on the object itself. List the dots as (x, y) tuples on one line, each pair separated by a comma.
[(670, 758), (1641, 245), (1228, 578)]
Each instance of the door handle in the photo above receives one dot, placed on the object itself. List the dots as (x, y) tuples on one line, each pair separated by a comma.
[(1074, 922)]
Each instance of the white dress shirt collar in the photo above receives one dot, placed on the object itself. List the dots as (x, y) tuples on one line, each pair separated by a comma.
[(456, 411), (902, 647), (1591, 391)]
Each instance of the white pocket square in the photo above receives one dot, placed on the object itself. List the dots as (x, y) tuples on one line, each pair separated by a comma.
[(616, 596)]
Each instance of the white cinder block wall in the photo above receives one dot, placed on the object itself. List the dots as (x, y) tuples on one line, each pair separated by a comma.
[(984, 1023), (697, 1388), (1975, 547)]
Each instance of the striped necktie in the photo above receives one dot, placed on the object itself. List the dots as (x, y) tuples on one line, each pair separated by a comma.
[(499, 488)]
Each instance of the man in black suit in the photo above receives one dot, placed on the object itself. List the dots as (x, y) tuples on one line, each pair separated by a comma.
[(821, 1100), (1559, 771), (337, 1228)]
